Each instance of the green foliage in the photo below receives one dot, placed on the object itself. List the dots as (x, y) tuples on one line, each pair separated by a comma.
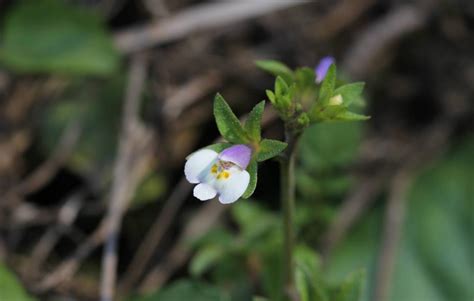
[(305, 89), (282, 98), (327, 86), (350, 92), (98, 110), (270, 148), (253, 172), (253, 124), (326, 150), (351, 289), (300, 101), (186, 290), (277, 69), (227, 255), (333, 102), (228, 124), (351, 116), (205, 258), (435, 259), (52, 36), (10, 287), (308, 275), (231, 129)]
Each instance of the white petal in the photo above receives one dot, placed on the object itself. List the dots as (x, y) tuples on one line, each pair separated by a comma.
[(204, 192), (197, 163), (231, 189)]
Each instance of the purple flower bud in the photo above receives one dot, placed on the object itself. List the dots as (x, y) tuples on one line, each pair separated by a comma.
[(323, 68), (238, 154)]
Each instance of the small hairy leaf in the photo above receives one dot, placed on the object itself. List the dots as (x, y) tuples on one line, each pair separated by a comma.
[(252, 170), (350, 92), (281, 87), (271, 96), (276, 68), (351, 116), (204, 259), (270, 148), (228, 124), (327, 87), (253, 124)]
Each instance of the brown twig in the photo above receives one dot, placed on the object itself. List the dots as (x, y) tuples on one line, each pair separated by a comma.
[(394, 216), (154, 236), (46, 171), (200, 224), (198, 18), (66, 217), (132, 143), (341, 16), (135, 152), (424, 149), (189, 93), (383, 32)]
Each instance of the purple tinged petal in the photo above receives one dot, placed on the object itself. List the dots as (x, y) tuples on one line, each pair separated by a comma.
[(323, 68), (239, 154)]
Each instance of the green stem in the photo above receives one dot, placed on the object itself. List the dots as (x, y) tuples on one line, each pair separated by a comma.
[(287, 184)]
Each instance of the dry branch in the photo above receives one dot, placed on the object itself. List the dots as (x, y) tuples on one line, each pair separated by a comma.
[(198, 18)]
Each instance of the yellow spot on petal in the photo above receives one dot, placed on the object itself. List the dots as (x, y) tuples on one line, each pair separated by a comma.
[(214, 169), (224, 175)]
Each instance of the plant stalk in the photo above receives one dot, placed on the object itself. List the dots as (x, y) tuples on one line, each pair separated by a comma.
[(287, 185)]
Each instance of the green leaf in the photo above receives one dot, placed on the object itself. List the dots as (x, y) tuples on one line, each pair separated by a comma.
[(271, 96), (305, 90), (219, 147), (52, 36), (228, 124), (327, 87), (350, 92), (253, 124), (204, 259), (351, 288), (351, 116), (10, 287), (277, 69), (186, 290), (270, 148), (324, 160), (252, 170), (304, 77), (246, 213), (434, 259), (307, 275), (97, 109)]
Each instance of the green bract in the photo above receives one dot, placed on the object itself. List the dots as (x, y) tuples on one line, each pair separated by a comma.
[(232, 130), (300, 101)]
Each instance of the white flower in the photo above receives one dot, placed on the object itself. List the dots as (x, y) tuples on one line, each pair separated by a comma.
[(220, 174)]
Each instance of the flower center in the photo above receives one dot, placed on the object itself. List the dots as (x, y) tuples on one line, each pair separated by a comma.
[(219, 170)]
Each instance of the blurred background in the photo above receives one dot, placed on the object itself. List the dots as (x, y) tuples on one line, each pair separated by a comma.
[(102, 100)]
